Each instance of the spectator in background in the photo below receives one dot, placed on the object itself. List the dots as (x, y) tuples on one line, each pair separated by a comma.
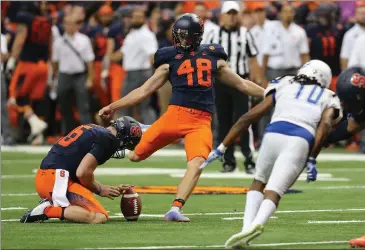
[(202, 11), (258, 30), (115, 74), (165, 39), (352, 34), (6, 138), (325, 39), (137, 53), (99, 39), (285, 45), (240, 47), (28, 84), (72, 60)]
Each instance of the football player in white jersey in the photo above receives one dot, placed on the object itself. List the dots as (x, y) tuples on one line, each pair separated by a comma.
[(305, 111)]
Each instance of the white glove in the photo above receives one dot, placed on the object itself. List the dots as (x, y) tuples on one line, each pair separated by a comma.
[(216, 154), (10, 66)]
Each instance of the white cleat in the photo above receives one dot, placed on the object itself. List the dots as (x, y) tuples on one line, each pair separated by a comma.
[(242, 239), (37, 213)]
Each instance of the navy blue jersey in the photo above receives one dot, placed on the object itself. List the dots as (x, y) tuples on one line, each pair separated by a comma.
[(326, 45), (191, 74), (36, 46), (116, 32), (69, 151)]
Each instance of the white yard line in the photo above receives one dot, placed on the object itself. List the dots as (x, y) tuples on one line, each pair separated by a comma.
[(17, 176), (12, 208), (240, 213), (222, 246), (334, 221), (240, 218), (20, 194), (181, 153)]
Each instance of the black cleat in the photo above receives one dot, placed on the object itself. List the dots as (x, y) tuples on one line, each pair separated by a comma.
[(228, 168), (249, 166), (37, 213)]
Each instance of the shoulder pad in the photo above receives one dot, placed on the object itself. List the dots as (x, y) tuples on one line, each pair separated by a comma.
[(24, 18), (215, 49), (164, 55)]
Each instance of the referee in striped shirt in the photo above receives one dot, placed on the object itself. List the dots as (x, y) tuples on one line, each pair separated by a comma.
[(231, 104)]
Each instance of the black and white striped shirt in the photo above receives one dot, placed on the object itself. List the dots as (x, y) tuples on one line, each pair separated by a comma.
[(239, 45)]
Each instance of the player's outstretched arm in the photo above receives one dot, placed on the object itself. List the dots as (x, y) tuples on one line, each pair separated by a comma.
[(247, 119), (323, 130), (242, 124), (138, 95), (226, 75), (85, 173)]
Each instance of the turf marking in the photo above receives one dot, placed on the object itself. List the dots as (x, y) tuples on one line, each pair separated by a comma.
[(181, 153), (17, 176), (222, 246), (20, 194), (334, 221), (12, 208), (240, 218)]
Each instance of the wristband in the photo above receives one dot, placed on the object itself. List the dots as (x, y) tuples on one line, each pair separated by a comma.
[(99, 191)]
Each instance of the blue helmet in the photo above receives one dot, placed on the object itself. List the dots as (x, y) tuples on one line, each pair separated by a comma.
[(188, 31), (351, 89), (129, 132)]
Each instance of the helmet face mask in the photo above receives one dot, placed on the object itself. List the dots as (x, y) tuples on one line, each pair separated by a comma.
[(129, 132), (187, 32)]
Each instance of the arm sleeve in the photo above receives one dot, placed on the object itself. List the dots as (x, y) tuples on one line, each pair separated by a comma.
[(251, 47), (161, 57), (55, 50), (265, 43), (150, 45), (89, 55), (4, 46), (218, 51), (345, 50), (24, 18), (304, 48)]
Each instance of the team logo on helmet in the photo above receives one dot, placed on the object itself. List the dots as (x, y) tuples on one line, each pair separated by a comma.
[(135, 131), (358, 80), (211, 47)]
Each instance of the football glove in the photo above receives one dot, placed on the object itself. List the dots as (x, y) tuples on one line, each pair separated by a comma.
[(216, 154), (311, 169)]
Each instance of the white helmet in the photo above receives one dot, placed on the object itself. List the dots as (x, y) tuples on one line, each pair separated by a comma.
[(318, 71)]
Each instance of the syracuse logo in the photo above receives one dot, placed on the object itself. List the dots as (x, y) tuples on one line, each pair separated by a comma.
[(358, 80)]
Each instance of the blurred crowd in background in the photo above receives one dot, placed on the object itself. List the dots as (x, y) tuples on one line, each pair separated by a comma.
[(80, 53)]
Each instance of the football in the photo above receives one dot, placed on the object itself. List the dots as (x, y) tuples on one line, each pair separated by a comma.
[(131, 205)]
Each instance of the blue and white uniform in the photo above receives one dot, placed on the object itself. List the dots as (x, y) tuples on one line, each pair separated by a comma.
[(290, 135)]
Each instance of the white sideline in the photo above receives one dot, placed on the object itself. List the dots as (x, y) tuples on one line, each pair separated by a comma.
[(181, 153), (334, 221), (221, 246)]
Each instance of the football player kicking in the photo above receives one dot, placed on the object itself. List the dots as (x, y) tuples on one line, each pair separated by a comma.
[(192, 69), (303, 117), (65, 179), (350, 89)]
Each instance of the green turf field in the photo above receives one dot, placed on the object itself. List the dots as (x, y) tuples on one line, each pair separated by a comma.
[(325, 215)]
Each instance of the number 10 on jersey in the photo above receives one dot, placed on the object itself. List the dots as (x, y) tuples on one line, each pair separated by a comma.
[(203, 65)]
